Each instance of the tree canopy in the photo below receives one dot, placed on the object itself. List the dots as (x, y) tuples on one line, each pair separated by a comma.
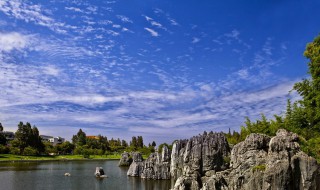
[(27, 136)]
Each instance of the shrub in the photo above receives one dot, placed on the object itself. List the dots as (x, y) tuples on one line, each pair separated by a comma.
[(259, 168), (226, 159), (4, 149), (30, 151), (14, 150)]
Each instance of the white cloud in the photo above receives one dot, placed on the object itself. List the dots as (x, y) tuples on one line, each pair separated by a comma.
[(280, 90), (51, 70), (75, 9), (154, 23), (13, 40), (195, 40), (124, 19), (173, 22), (116, 26), (233, 34), (243, 73), (31, 13), (92, 9), (152, 32), (148, 18)]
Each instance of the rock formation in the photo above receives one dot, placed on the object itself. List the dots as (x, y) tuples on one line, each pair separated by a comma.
[(125, 160), (157, 166), (261, 162), (258, 163), (137, 165), (191, 159)]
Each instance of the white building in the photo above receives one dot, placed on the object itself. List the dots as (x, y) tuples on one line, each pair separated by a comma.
[(53, 140)]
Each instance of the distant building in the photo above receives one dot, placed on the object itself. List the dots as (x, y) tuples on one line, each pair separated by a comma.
[(93, 137), (8, 134), (53, 140)]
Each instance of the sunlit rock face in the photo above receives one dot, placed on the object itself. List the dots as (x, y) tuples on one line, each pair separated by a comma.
[(262, 162), (157, 166), (125, 159), (137, 165), (191, 159), (259, 162)]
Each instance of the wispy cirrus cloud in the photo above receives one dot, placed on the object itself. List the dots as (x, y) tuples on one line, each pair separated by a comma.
[(31, 13), (106, 75), (152, 32), (124, 19)]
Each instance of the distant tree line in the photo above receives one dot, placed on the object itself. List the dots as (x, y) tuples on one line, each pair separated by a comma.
[(27, 141)]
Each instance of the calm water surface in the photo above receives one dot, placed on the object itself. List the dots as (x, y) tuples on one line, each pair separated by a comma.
[(50, 175)]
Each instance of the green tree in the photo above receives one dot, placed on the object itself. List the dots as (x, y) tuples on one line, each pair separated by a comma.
[(36, 141), (140, 142), (133, 142), (161, 146), (65, 148), (80, 139), (28, 136), (124, 143), (23, 136), (309, 90), (3, 139), (153, 144)]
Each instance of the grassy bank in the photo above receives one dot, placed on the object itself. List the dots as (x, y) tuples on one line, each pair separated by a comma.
[(12, 157)]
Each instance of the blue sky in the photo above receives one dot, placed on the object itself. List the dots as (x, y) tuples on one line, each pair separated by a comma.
[(161, 69)]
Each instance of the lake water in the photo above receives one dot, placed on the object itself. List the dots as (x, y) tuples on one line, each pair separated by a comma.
[(50, 175)]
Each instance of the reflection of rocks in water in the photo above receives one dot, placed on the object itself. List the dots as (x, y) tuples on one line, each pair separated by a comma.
[(156, 184)]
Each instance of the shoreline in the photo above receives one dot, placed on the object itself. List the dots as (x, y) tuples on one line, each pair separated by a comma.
[(18, 158), (57, 160)]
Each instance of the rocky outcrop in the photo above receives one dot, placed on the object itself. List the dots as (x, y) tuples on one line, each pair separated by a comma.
[(125, 159), (192, 159), (137, 165), (261, 162), (157, 166), (204, 162)]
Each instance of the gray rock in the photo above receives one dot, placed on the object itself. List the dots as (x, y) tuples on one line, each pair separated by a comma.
[(136, 156), (157, 166), (265, 163), (192, 159), (258, 163), (125, 159), (176, 164), (136, 166)]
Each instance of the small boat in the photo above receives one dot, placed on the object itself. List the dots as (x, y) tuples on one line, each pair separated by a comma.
[(100, 173), (67, 174)]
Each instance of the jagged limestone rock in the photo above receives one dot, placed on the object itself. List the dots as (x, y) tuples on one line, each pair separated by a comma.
[(190, 160), (264, 163), (125, 159), (258, 163), (137, 165), (157, 166)]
